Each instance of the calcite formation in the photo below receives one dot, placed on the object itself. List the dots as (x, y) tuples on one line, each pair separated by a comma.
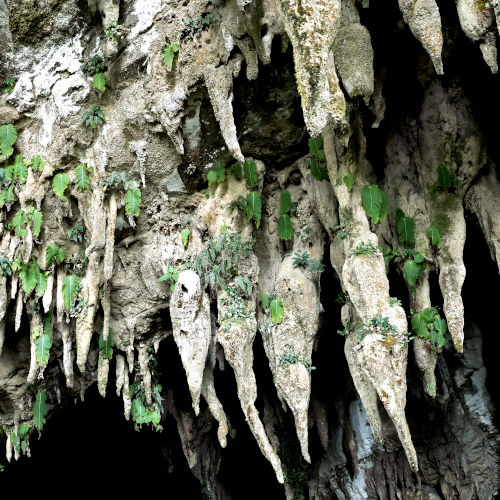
[(162, 189)]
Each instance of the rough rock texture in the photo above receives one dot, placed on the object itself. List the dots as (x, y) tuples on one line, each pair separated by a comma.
[(200, 172)]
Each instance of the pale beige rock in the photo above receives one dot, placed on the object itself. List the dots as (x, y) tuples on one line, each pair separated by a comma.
[(190, 315), (478, 26), (424, 20), (312, 26)]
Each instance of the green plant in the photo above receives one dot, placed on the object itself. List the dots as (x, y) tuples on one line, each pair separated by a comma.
[(394, 301), (36, 164), (381, 325), (434, 236), (40, 410), (375, 203), (168, 52), (185, 236), (70, 289), (300, 259), (54, 255), (141, 413), (285, 229), (348, 328), (9, 85), (114, 32), (171, 276), (277, 311), (20, 440), (93, 116), (133, 195), (32, 218), (428, 324), (406, 228), (5, 267), (194, 26), (82, 176), (304, 234), (77, 233), (445, 179), (106, 345), (242, 286), (217, 173), (413, 263), (316, 266), (349, 181), (31, 276), (218, 263), (342, 298), (318, 160), (290, 358), (368, 249), (43, 340), (94, 65), (99, 82), (8, 136), (78, 264)]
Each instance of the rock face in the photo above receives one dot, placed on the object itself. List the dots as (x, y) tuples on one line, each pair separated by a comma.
[(204, 179)]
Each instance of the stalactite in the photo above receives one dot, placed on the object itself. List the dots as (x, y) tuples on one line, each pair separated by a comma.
[(110, 238), (85, 321), (190, 315), (67, 340), (424, 20)]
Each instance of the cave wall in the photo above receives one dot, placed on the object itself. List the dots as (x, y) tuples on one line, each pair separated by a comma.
[(210, 106)]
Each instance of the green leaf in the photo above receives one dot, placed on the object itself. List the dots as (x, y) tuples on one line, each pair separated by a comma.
[(185, 236), (254, 207), (169, 54), (317, 171), (54, 255), (133, 202), (315, 148), (37, 219), (444, 177), (418, 258), (411, 271), (59, 185), (140, 413), (18, 221), (434, 236), (70, 290), (286, 202), (276, 311), (419, 325), (42, 353), (372, 202), (20, 169), (440, 325), (8, 136), (217, 173), (29, 276), (265, 300), (236, 170), (40, 410), (41, 283), (99, 82), (37, 164), (406, 230), (82, 179), (47, 324), (250, 170), (349, 181), (23, 430), (106, 346), (285, 228), (430, 314)]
